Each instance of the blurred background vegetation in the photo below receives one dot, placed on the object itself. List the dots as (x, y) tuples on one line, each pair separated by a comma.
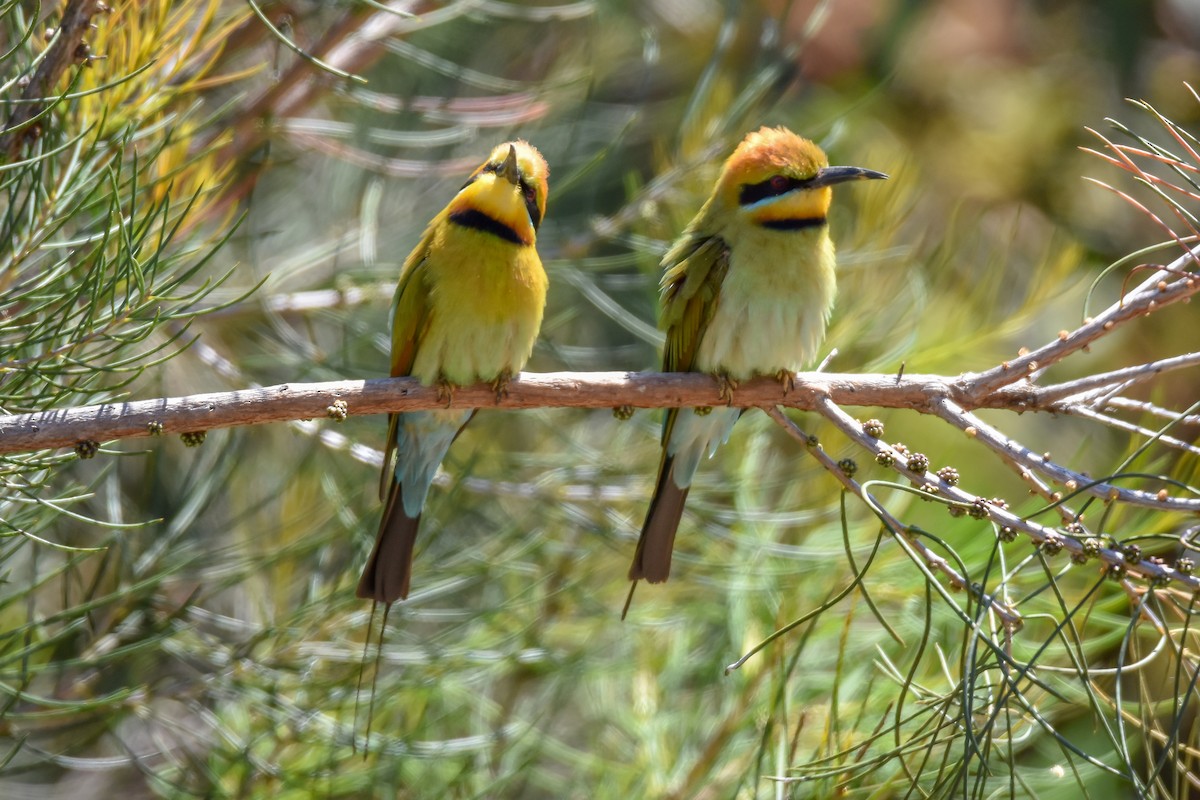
[(205, 208)]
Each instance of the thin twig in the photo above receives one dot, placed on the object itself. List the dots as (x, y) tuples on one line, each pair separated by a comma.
[(994, 440), (1161, 289), (66, 48), (1009, 617), (1146, 407), (1125, 377), (1120, 424), (1116, 560)]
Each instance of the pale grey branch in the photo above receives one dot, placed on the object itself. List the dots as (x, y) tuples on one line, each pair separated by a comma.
[(1146, 407), (1120, 424), (1011, 619), (285, 402), (1129, 376), (1116, 561), (995, 440), (1161, 289)]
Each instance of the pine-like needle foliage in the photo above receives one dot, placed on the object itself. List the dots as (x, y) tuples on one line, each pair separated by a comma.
[(109, 227)]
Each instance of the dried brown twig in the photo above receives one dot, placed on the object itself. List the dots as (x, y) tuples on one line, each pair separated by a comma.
[(66, 47)]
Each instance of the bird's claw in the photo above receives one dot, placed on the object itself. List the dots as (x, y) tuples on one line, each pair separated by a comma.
[(727, 385), (787, 379), (445, 391), (623, 412), (500, 385)]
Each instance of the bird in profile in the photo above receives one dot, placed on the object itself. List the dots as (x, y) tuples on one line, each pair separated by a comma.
[(747, 290), (467, 310)]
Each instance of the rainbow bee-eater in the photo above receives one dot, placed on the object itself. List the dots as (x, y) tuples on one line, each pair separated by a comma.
[(747, 290), (467, 310)]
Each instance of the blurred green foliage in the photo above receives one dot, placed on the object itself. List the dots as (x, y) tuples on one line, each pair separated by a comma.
[(215, 648)]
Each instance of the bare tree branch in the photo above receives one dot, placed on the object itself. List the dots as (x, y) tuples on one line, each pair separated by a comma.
[(994, 440), (1008, 616), (1144, 407), (65, 427), (1129, 427), (1169, 285), (1124, 378), (1077, 541)]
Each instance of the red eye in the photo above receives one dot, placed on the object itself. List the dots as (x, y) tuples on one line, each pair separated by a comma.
[(780, 183), (530, 194)]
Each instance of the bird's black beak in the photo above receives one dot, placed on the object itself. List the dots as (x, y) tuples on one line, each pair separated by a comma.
[(828, 176), (509, 168)]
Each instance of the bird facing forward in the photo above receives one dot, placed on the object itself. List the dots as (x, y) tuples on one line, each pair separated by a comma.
[(467, 310), (747, 290)]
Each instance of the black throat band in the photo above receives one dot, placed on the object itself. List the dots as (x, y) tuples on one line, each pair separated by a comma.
[(477, 220), (793, 224)]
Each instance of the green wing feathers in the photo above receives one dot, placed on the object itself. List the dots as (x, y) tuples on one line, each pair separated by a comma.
[(691, 285), (410, 319), (410, 314), (690, 288)]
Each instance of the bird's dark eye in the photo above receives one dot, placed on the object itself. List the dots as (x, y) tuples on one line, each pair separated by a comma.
[(773, 186), (529, 193)]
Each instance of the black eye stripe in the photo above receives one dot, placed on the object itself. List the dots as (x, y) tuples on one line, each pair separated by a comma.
[(753, 192), (531, 206)]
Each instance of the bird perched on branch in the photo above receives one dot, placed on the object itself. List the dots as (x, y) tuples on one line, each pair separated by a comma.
[(467, 310), (747, 290)]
